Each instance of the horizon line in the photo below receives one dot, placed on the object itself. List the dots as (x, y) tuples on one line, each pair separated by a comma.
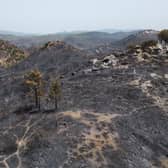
[(114, 30)]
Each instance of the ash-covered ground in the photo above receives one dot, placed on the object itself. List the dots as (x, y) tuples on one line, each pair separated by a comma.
[(113, 112)]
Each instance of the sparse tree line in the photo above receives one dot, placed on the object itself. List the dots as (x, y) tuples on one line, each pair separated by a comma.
[(35, 85)]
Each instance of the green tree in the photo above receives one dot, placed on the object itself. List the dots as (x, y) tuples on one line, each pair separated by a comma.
[(163, 35), (55, 92), (33, 80)]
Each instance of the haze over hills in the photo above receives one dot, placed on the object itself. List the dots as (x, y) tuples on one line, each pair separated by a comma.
[(64, 32), (83, 40), (3, 32), (138, 37)]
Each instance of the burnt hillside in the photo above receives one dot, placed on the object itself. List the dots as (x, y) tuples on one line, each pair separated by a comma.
[(113, 111), (10, 54)]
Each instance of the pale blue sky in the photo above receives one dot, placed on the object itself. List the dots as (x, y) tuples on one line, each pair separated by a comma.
[(49, 16)]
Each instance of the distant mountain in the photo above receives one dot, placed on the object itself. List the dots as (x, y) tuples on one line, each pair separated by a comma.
[(83, 40), (94, 39), (80, 40), (121, 35), (138, 38), (13, 36), (3, 32), (90, 39), (110, 30)]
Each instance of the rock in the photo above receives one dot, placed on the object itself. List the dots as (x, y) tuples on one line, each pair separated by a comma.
[(155, 76), (86, 71), (166, 76), (97, 51), (138, 51), (110, 60), (104, 66), (94, 61), (137, 47), (156, 51), (146, 55), (135, 54), (95, 69)]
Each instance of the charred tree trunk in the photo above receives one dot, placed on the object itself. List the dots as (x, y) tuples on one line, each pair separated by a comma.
[(36, 97), (56, 103), (39, 103)]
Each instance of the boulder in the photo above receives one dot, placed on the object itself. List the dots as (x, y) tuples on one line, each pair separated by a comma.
[(110, 60), (94, 61), (155, 76), (146, 55), (86, 71)]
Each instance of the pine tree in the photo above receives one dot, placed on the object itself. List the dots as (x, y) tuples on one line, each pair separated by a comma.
[(55, 92), (33, 80)]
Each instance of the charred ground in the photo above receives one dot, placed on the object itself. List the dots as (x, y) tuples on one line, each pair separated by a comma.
[(113, 111)]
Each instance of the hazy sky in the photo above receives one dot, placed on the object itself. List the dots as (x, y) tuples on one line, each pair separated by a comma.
[(49, 16)]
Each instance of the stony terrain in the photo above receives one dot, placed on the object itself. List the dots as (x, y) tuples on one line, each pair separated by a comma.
[(113, 112)]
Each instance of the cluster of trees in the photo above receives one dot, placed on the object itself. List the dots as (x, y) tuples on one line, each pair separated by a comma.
[(33, 80)]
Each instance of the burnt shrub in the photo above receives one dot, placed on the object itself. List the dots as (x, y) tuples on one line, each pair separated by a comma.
[(147, 44)]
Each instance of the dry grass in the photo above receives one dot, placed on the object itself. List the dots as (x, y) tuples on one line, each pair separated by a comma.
[(164, 162), (73, 115), (21, 142), (95, 137), (145, 86)]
